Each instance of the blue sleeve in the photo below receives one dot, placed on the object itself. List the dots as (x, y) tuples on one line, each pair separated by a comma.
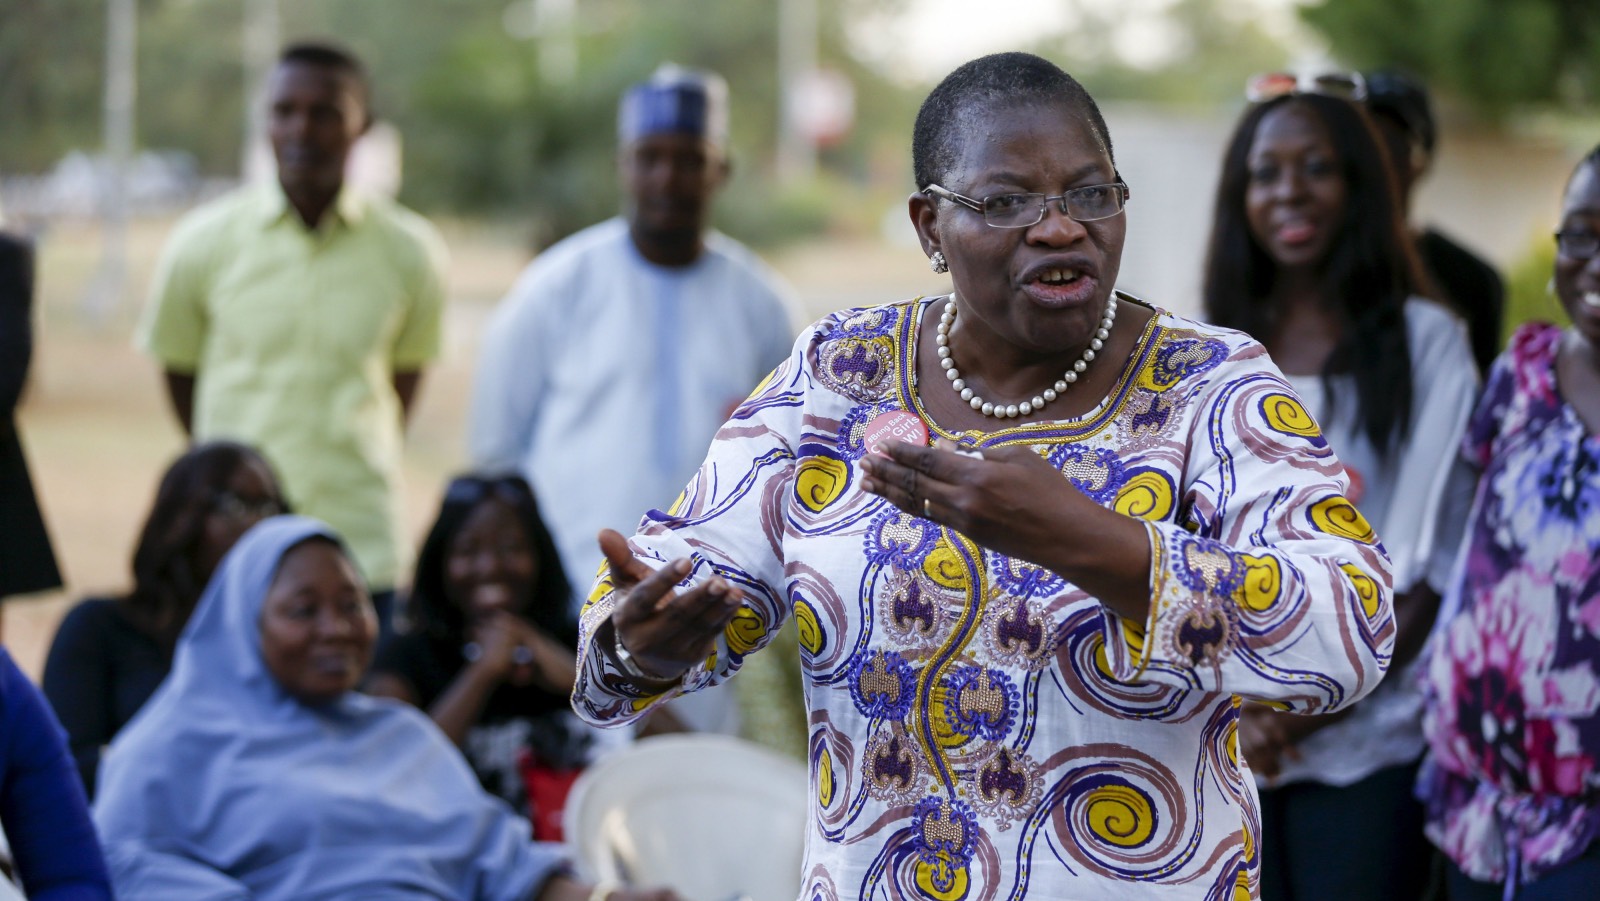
[(77, 685), (145, 874), (510, 382), (41, 800)]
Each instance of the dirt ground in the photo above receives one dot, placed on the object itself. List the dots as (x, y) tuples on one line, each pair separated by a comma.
[(99, 433)]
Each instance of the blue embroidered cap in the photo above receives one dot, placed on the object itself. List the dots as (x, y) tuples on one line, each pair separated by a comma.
[(676, 101)]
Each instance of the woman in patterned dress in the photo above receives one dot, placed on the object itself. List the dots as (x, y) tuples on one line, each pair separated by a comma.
[(1513, 714), (1310, 257), (1023, 647)]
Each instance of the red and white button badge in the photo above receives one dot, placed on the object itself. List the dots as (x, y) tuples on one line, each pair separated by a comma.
[(895, 425)]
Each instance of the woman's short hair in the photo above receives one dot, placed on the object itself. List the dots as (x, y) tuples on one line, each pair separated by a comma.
[(165, 584), (1592, 158), (1370, 272), (997, 81), (432, 612)]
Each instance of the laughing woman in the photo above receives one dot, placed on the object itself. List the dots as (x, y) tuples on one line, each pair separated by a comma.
[(1021, 647), (1511, 779), (1309, 256), (257, 772)]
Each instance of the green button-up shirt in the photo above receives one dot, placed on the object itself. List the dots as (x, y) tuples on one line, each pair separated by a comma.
[(294, 335)]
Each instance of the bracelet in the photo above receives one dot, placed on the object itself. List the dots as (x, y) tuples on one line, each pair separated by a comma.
[(603, 890), (625, 661)]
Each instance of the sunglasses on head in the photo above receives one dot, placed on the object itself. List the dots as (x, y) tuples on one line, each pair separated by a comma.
[(471, 489), (1272, 85)]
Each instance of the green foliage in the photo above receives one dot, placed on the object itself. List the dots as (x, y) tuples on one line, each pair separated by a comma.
[(1528, 296), (51, 65), (484, 131), (1493, 53), (1218, 49)]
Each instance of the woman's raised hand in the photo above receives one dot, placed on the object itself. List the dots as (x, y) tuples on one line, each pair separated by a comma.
[(520, 653), (1009, 500), (1012, 501), (665, 631)]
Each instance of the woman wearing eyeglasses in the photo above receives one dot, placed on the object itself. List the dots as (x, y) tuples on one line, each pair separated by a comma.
[(489, 652), (1513, 716), (109, 654), (1022, 644), (1309, 256)]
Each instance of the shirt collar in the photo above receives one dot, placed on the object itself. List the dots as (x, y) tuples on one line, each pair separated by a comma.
[(349, 207)]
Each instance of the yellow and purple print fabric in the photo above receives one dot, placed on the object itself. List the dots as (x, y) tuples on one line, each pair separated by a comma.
[(980, 728)]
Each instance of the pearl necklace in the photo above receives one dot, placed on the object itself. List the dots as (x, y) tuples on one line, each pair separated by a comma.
[(1027, 407)]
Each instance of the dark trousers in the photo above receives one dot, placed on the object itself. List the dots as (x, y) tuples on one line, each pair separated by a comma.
[(1576, 880), (1362, 841)]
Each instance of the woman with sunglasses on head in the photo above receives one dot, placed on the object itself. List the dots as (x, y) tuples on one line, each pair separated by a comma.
[(109, 654), (1513, 716), (489, 652), (1308, 255), (1037, 536)]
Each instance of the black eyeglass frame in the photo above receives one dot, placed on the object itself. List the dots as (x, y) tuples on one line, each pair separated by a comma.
[(1590, 238), (981, 205)]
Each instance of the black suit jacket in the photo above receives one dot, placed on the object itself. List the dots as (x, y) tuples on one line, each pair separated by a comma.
[(27, 562)]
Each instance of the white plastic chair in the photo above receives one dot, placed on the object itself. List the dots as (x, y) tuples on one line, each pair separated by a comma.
[(711, 816), (9, 891)]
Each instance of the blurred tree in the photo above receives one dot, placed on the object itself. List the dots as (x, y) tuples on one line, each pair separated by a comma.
[(1492, 53), (51, 62), (502, 137), (1528, 296), (487, 127)]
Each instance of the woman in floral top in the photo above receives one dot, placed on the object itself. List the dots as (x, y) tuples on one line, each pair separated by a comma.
[(1513, 718)]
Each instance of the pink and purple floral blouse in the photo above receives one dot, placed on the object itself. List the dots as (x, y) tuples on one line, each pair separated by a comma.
[(1512, 725)]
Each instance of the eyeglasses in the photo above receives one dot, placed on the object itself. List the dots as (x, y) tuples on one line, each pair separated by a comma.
[(1272, 85), (1578, 245), (1085, 204), (232, 506)]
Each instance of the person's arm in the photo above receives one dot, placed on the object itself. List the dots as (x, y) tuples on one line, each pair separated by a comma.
[(692, 593), (16, 323), (459, 707), (1253, 576), (142, 873), (405, 388), (1013, 502), (509, 383), (175, 323), (180, 390), (420, 336), (77, 683), (42, 803)]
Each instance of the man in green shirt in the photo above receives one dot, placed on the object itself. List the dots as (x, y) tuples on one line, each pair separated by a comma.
[(297, 316)]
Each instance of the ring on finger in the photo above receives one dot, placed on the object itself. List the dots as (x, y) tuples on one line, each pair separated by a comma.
[(927, 508)]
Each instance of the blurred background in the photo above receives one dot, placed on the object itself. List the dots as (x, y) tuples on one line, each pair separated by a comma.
[(498, 122)]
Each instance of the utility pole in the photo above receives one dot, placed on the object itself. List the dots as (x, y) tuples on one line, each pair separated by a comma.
[(558, 40), (262, 27), (105, 293), (797, 60)]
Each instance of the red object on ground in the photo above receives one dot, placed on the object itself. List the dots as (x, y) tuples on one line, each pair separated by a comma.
[(548, 788)]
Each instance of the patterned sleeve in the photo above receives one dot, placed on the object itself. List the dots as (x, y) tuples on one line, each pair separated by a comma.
[(1269, 584), (729, 521)]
